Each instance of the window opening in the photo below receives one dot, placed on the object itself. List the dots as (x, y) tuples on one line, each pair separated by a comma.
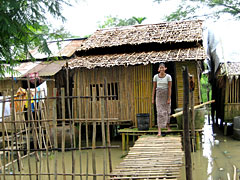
[(112, 90)]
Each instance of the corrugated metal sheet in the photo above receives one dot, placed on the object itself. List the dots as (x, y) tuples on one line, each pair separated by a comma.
[(22, 68), (64, 48), (47, 68)]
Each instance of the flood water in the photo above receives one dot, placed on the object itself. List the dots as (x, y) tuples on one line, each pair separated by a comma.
[(217, 156), (214, 161)]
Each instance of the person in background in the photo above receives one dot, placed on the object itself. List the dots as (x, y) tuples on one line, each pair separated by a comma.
[(162, 88)]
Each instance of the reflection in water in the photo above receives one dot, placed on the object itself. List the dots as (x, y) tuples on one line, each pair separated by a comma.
[(207, 145)]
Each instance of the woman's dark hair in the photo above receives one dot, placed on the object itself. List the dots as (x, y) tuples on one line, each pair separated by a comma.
[(161, 64)]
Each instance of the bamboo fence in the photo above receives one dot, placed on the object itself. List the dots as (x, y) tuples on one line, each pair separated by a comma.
[(35, 145)]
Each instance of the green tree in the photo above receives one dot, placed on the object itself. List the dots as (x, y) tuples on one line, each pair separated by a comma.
[(23, 25), (189, 9), (115, 21)]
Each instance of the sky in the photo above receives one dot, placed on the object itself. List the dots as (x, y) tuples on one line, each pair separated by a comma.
[(85, 15)]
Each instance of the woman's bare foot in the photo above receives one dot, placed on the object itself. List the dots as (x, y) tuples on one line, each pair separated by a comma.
[(159, 135), (168, 127)]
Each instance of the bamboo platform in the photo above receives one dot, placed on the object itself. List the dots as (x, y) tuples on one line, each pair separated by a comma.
[(152, 157), (134, 132)]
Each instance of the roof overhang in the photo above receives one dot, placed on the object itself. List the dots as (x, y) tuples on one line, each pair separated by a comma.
[(110, 60)]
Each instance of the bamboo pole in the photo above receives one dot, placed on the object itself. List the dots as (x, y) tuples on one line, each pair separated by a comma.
[(20, 142), (195, 107), (41, 116), (48, 134), (73, 141), (34, 131), (14, 127), (38, 123), (80, 131), (12, 134), (71, 123), (108, 128), (63, 131), (87, 104), (55, 132), (94, 133), (28, 129), (3, 138), (186, 137), (103, 132)]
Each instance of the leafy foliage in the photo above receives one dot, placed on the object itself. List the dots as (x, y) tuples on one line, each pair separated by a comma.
[(115, 21), (23, 25), (205, 88), (189, 9)]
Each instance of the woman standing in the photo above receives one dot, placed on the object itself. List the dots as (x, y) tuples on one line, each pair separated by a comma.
[(162, 87)]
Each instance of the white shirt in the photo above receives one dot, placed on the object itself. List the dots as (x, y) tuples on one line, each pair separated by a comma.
[(162, 82)]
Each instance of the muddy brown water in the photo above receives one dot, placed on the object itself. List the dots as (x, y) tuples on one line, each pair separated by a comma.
[(215, 160), (217, 156)]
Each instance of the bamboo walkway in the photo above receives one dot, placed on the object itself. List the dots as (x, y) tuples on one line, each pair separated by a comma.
[(152, 157)]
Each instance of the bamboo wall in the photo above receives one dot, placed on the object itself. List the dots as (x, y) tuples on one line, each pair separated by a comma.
[(192, 69), (131, 86), (232, 99)]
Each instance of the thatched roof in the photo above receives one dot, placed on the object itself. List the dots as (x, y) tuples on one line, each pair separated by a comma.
[(109, 60), (162, 33), (230, 69)]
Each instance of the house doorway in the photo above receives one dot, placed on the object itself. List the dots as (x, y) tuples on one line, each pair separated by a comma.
[(171, 69)]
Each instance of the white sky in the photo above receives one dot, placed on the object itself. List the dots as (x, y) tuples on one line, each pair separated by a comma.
[(83, 17)]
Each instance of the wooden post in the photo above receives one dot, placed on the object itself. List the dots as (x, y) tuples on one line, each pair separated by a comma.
[(186, 136), (191, 81), (127, 141), (123, 141)]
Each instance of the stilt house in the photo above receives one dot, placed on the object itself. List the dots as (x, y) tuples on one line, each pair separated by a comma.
[(226, 91), (125, 59), (223, 51)]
